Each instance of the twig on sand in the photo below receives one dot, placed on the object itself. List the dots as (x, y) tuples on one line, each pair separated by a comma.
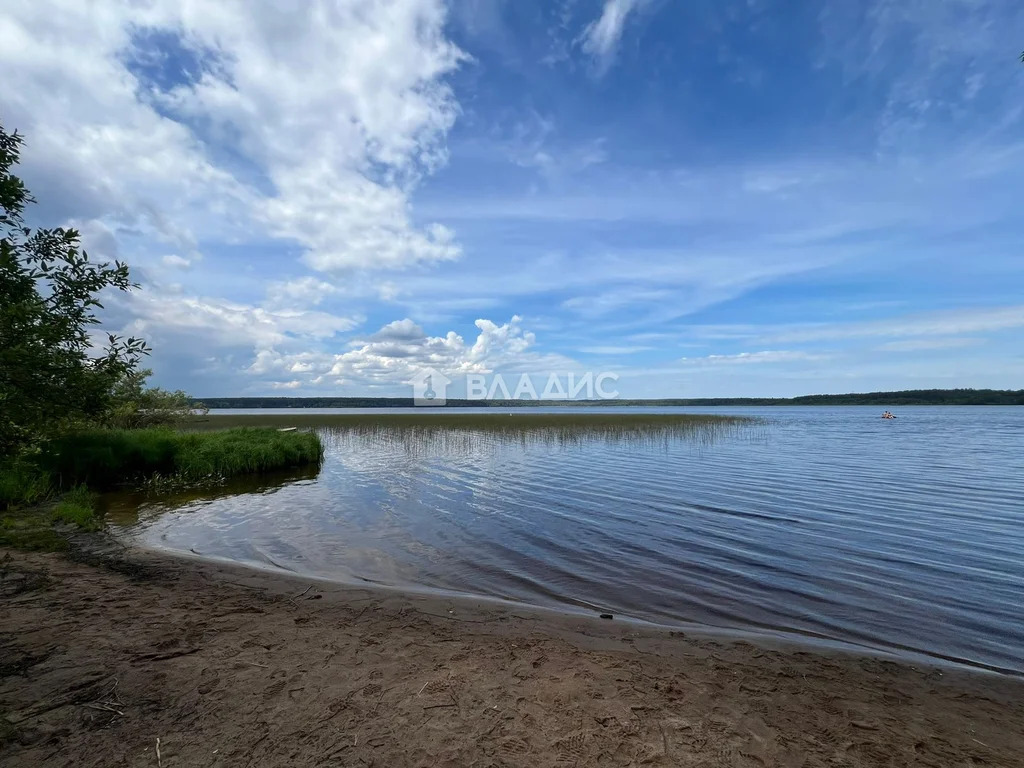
[(359, 615), (436, 706), (379, 700), (304, 591), (159, 761), (421, 689), (454, 618), (105, 708)]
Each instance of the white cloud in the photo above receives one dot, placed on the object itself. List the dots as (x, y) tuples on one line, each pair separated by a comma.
[(176, 261), (182, 320), (303, 291), (945, 323), (613, 350), (932, 62), (754, 358), (331, 116), (918, 345), (393, 355), (601, 37)]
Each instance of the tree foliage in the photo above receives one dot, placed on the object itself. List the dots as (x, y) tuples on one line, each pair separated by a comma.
[(52, 373), (135, 406)]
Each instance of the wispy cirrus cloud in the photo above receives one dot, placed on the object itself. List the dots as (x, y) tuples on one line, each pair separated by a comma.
[(601, 37), (928, 345), (944, 323), (754, 358)]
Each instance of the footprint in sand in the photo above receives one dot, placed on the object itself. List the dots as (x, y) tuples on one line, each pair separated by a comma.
[(572, 747), (513, 748)]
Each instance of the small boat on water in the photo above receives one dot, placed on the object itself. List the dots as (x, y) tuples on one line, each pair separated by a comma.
[(287, 429), (888, 415)]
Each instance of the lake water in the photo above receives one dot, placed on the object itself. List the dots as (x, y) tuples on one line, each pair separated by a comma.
[(904, 535)]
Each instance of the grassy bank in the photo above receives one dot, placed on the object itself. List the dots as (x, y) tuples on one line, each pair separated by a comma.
[(103, 459), (37, 527), (57, 486)]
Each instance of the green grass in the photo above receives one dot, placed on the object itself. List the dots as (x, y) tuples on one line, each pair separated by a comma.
[(78, 507), (96, 460), (23, 482), (32, 527), (104, 459)]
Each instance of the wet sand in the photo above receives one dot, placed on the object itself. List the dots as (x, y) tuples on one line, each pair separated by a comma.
[(102, 655)]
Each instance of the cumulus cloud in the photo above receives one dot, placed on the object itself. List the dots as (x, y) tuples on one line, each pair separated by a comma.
[(185, 121), (398, 351)]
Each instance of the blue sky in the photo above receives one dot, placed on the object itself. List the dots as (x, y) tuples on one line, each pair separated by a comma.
[(707, 198)]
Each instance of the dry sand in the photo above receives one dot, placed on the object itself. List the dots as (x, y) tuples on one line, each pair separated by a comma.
[(103, 661)]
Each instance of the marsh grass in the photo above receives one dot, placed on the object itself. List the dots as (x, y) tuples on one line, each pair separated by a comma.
[(504, 421), (104, 459), (443, 432)]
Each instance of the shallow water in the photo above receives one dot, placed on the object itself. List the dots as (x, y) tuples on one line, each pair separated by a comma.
[(828, 522)]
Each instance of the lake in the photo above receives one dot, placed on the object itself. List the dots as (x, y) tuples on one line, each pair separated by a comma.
[(817, 522)]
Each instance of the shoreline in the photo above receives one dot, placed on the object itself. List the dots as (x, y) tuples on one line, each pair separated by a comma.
[(108, 649), (777, 639)]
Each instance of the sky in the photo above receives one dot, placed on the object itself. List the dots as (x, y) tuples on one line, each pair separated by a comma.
[(706, 198)]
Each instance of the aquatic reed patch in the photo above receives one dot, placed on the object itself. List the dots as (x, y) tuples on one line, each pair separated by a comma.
[(424, 432), (456, 419)]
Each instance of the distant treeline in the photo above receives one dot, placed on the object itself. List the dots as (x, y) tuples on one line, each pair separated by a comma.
[(906, 397)]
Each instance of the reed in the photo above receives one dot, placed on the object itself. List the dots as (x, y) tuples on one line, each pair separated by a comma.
[(456, 420), (433, 431)]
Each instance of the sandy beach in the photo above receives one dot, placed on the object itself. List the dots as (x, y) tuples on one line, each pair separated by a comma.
[(131, 658)]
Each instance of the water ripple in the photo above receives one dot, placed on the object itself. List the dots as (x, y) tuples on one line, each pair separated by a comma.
[(826, 522)]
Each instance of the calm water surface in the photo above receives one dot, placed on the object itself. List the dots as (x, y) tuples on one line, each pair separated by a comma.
[(825, 522)]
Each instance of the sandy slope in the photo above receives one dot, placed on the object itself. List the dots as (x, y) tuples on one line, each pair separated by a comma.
[(229, 667)]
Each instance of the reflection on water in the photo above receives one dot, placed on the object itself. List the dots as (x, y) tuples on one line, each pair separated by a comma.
[(128, 507), (824, 522), (460, 436)]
